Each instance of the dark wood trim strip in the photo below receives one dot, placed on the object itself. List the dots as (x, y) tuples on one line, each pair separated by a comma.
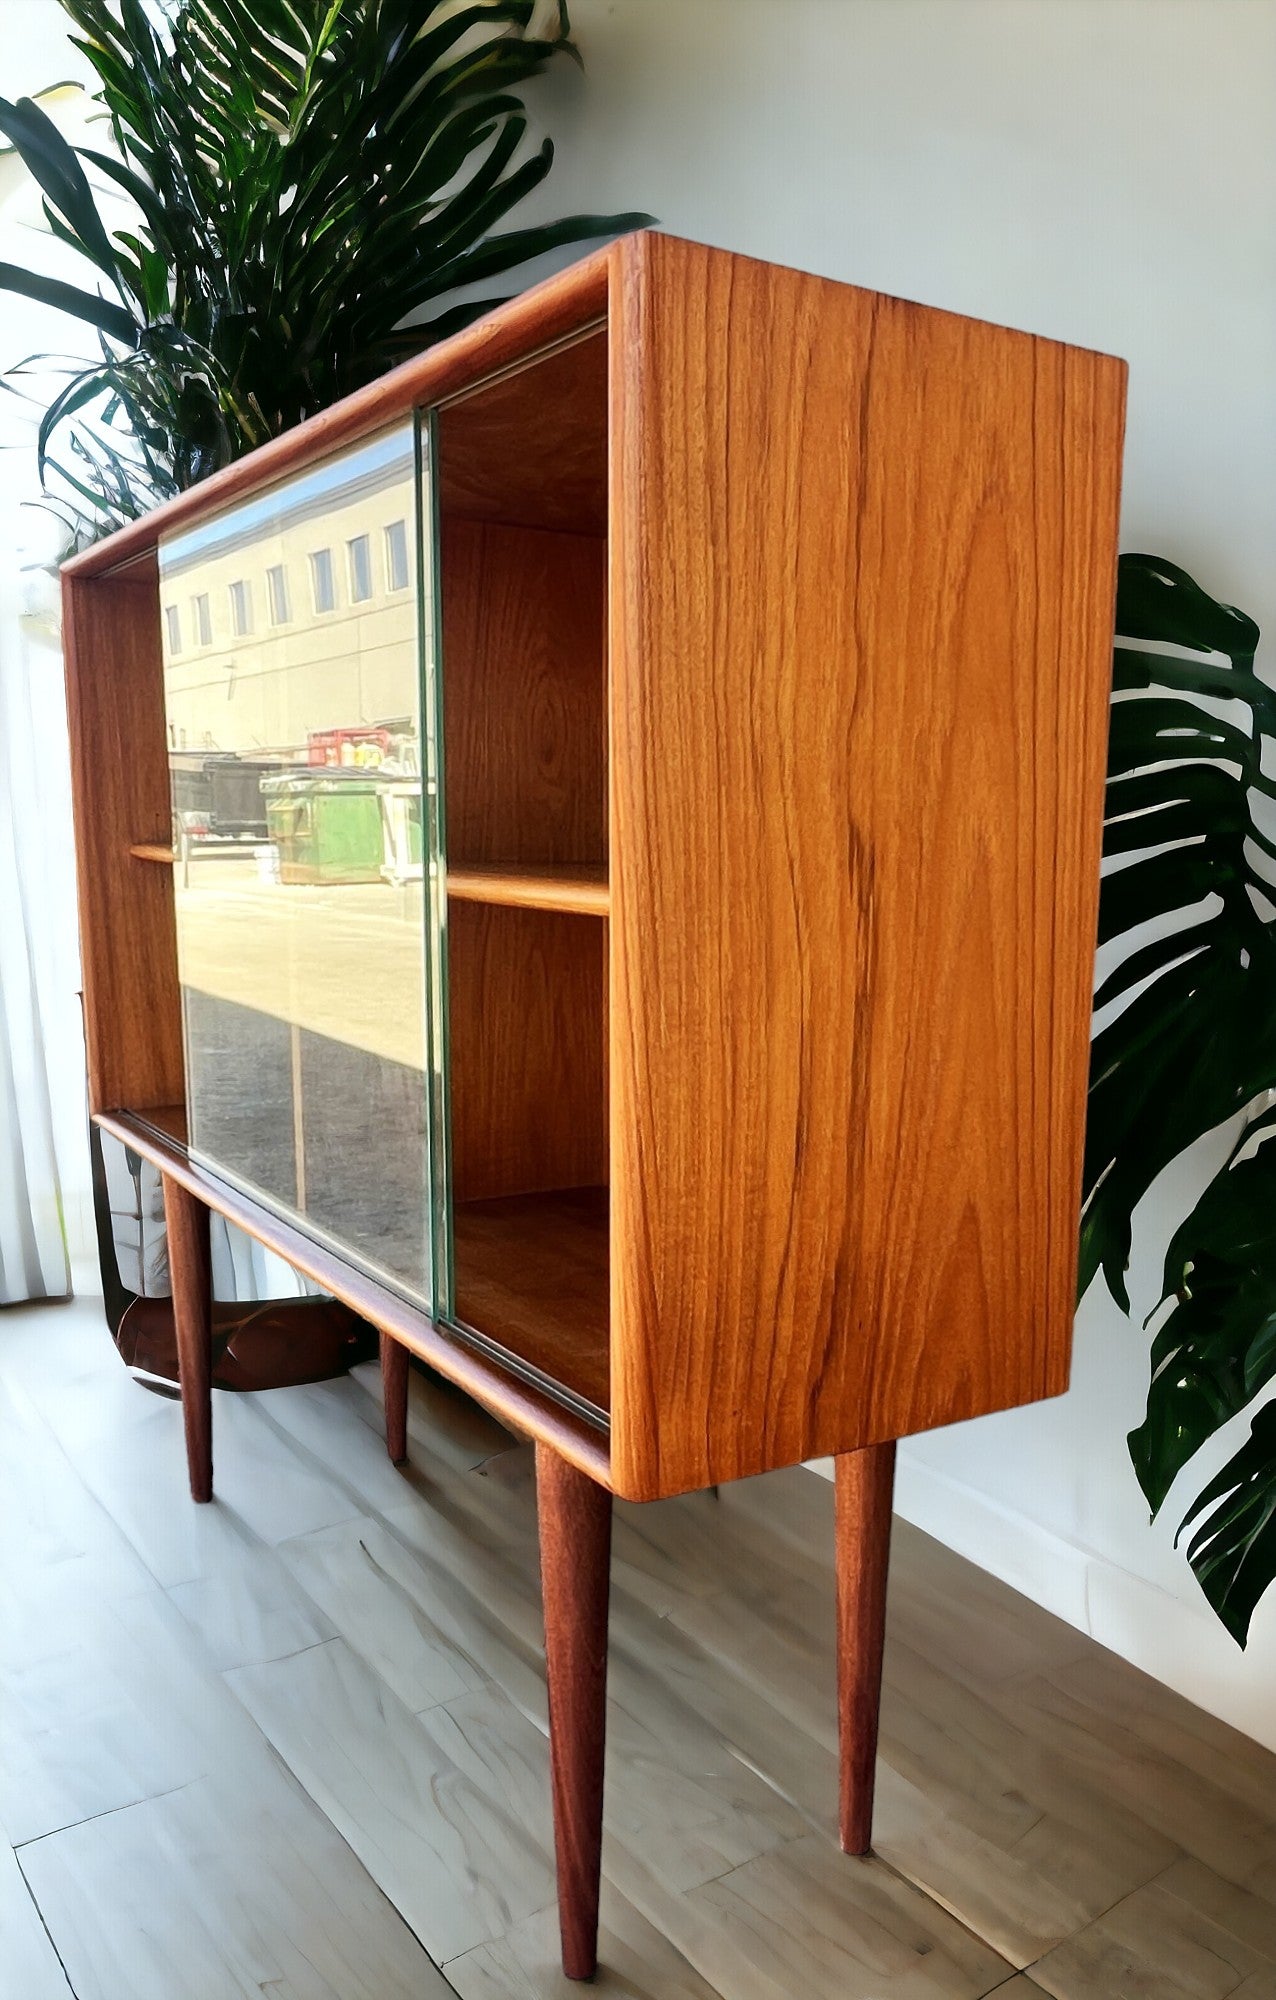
[(575, 1538), (394, 1395), (191, 1277), (864, 1486)]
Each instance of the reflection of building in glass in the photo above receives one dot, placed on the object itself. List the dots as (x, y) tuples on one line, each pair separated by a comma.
[(277, 583), (396, 555), (359, 556), (334, 647), (292, 684)]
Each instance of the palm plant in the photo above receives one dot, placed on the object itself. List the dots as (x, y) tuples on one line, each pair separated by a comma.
[(1192, 1047), (305, 179)]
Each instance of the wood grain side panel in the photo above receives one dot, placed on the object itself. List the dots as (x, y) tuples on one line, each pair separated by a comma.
[(861, 589), (120, 798), (524, 694)]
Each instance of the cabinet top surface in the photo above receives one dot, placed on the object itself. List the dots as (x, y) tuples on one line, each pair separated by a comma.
[(556, 309)]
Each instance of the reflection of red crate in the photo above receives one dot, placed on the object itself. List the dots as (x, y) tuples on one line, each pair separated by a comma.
[(324, 746)]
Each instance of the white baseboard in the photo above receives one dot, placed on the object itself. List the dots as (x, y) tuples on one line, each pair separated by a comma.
[(1178, 1642)]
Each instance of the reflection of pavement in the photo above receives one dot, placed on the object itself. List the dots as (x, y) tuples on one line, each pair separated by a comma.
[(326, 1130), (345, 961)]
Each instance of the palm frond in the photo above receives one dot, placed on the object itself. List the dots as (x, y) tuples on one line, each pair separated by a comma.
[(307, 175)]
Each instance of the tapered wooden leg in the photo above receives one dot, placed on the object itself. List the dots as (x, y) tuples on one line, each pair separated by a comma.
[(190, 1273), (575, 1532), (864, 1486), (394, 1391)]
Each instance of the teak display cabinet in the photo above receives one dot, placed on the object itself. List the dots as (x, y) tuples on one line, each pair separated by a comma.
[(649, 977)]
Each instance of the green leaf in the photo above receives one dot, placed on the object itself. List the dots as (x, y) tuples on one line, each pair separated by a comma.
[(51, 94), (78, 394), (1233, 1550), (86, 306), (137, 190), (310, 176), (519, 246), (1217, 1348), (1156, 600), (1191, 1048), (1158, 956), (1177, 774), (53, 164), (425, 332), (1158, 1085)]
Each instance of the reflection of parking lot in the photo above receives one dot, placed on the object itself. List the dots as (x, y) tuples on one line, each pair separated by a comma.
[(328, 1130), (346, 961)]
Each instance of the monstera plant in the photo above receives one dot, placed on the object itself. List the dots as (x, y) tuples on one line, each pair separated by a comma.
[(299, 184), (1190, 886)]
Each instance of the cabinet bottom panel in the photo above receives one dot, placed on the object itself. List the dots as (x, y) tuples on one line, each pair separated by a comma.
[(532, 1276)]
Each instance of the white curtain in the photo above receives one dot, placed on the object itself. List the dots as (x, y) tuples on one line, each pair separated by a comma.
[(46, 1215), (45, 1203), (43, 1176), (46, 1211)]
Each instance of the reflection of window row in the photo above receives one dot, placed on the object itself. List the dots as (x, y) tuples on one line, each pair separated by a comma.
[(323, 588)]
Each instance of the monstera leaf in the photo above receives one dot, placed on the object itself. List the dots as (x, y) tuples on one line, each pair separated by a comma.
[(1192, 1043), (1217, 1348), (1234, 1548), (310, 180)]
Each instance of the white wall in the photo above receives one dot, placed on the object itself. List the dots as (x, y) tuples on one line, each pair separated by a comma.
[(1099, 170)]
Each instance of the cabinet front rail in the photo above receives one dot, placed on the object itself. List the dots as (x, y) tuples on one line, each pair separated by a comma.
[(524, 1408)]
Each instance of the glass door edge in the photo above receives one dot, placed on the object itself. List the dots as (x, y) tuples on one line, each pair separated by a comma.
[(430, 649)]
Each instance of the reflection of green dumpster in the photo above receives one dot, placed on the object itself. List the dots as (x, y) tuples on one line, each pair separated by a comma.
[(326, 826), (401, 819)]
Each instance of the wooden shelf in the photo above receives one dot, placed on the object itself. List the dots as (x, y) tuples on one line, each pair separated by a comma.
[(532, 1274), (579, 888)]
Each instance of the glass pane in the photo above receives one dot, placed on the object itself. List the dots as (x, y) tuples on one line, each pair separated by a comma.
[(296, 750), (522, 1254), (428, 568)]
